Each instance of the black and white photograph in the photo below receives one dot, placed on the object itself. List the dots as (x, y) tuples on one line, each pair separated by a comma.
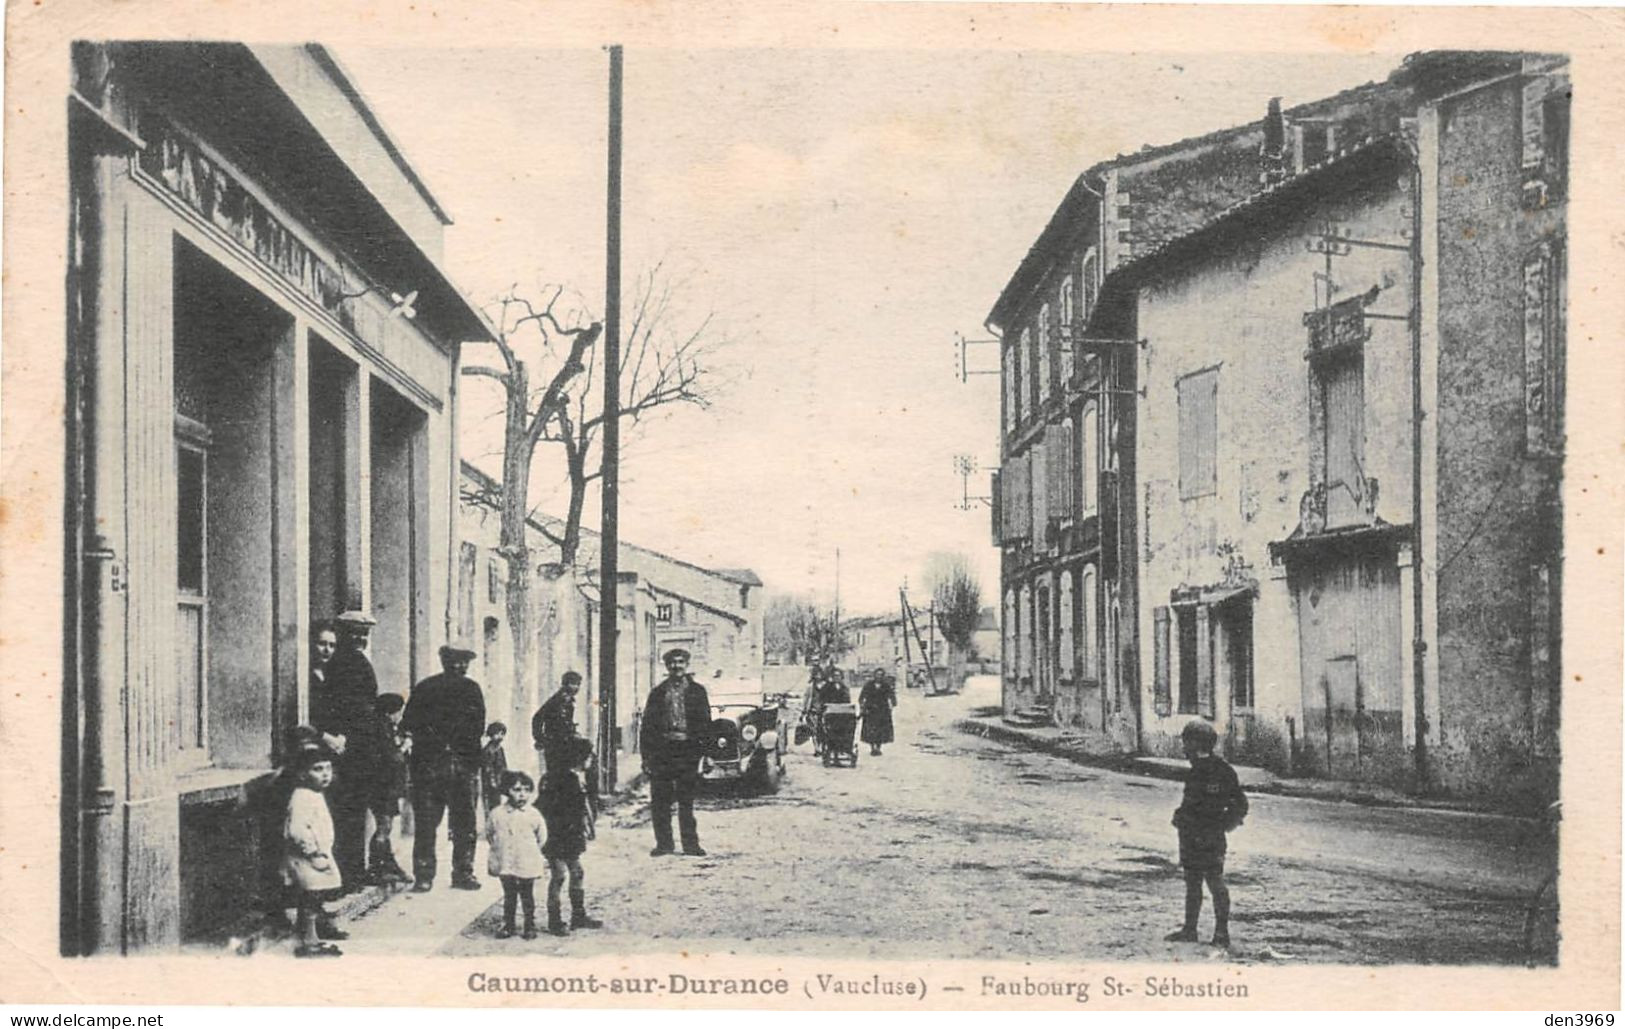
[(904, 523)]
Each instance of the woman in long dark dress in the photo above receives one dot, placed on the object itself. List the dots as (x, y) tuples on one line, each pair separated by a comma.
[(879, 696)]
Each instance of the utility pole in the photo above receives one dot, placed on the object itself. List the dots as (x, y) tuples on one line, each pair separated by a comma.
[(609, 531)]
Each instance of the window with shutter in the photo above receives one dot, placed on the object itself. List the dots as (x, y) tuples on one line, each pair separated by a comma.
[(1091, 625), (1012, 388), (1064, 620), (1089, 481), (1160, 686), (1198, 434), (1068, 331), (1044, 353), (1343, 392), (1027, 374), (1040, 488)]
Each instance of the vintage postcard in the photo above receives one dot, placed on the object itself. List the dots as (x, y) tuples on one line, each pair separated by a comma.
[(811, 505)]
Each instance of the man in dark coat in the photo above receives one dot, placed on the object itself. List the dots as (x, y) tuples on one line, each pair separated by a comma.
[(554, 724), (675, 719), (445, 718), (341, 708)]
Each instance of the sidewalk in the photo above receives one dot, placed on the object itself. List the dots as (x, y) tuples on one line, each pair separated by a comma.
[(432, 917), (1101, 752)]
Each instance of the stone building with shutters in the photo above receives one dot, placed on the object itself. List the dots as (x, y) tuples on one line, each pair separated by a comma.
[(261, 404), (1346, 442), (1067, 491)]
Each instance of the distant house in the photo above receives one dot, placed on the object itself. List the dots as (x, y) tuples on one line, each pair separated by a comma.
[(665, 602)]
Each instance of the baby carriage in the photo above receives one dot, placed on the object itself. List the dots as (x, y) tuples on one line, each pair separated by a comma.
[(837, 732)]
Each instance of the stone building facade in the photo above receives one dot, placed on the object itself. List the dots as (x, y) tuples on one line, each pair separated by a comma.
[(1332, 346), (261, 397)]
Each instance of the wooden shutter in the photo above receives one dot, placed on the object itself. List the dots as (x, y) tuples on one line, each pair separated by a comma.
[(1198, 433), (1163, 697), (995, 504), (1204, 660)]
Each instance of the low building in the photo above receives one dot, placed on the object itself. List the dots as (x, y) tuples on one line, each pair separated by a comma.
[(261, 397), (664, 602)]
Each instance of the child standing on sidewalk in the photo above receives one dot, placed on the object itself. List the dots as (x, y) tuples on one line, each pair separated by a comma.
[(515, 832), (308, 867), (567, 806), (493, 765), (389, 786), (1212, 806)]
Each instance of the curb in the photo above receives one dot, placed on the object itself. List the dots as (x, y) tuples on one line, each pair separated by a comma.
[(1326, 791)]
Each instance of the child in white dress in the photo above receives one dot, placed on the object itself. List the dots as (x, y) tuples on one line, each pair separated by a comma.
[(308, 867), (516, 832)]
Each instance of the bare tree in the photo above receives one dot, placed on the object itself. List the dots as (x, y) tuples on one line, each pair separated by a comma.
[(662, 366), (796, 628), (956, 598), (549, 362), (561, 353)]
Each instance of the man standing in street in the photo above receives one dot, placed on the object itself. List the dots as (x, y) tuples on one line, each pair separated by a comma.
[(341, 703), (445, 718), (675, 718), (555, 723)]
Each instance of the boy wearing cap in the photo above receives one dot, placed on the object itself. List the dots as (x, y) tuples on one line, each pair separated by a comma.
[(674, 719), (1212, 806), (445, 718)]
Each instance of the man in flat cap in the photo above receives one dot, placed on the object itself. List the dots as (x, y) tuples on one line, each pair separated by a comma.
[(341, 709), (445, 717), (554, 723), (675, 719)]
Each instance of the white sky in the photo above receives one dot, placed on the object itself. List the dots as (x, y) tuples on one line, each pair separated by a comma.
[(843, 213)]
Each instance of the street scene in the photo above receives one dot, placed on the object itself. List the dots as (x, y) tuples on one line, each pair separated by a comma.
[(946, 848), (987, 512)]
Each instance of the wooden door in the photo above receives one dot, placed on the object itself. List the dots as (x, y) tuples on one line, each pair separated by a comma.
[(1343, 716)]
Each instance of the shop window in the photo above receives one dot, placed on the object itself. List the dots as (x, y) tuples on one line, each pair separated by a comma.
[(192, 596)]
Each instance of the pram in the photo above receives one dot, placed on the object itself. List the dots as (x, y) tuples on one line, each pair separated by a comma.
[(837, 734)]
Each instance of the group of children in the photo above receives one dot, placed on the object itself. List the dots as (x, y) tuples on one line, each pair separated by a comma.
[(524, 839)]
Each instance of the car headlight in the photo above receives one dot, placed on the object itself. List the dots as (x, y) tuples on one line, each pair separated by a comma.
[(748, 733)]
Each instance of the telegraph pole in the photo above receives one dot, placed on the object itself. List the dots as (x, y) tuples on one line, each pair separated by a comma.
[(609, 532)]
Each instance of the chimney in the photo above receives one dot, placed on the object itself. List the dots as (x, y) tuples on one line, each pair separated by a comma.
[(1274, 153)]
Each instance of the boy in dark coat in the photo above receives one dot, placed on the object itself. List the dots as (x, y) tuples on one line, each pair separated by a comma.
[(568, 810), (388, 763), (1213, 805), (493, 765)]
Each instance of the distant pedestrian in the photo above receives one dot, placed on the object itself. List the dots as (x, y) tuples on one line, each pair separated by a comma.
[(493, 765), (308, 865), (875, 702), (1213, 805), (554, 723), (391, 745), (675, 716), (445, 716), (515, 832), (568, 808)]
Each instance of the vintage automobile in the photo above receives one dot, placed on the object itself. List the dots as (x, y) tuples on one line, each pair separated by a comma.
[(749, 734)]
